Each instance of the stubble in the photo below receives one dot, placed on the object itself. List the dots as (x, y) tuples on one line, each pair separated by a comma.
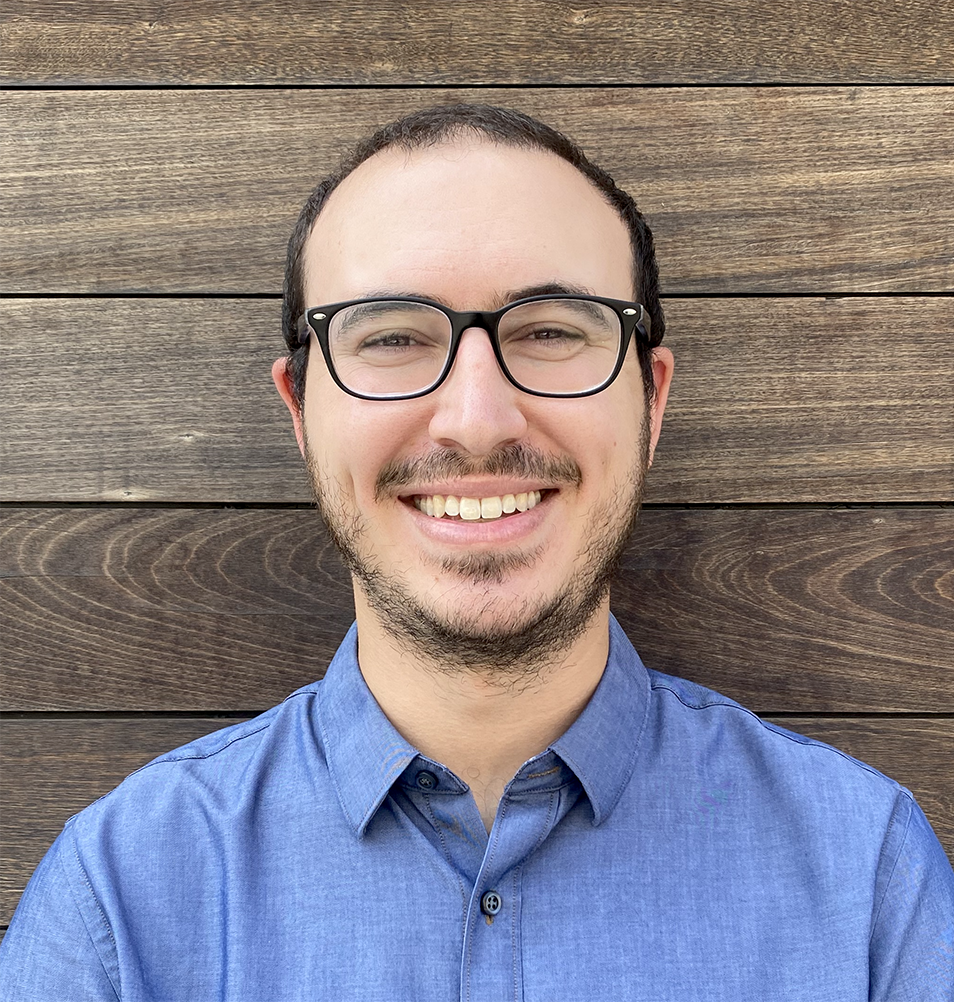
[(507, 648)]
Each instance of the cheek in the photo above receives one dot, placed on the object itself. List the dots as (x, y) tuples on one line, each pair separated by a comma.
[(351, 439), (328, 427), (630, 406), (606, 433)]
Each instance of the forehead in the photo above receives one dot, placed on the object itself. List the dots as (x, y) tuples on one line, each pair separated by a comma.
[(464, 222)]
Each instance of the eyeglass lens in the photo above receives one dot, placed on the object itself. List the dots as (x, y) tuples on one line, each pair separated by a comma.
[(551, 346)]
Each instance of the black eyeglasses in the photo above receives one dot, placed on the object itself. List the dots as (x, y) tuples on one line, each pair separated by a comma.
[(402, 347)]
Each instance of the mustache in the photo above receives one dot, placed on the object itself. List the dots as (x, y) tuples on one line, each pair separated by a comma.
[(520, 461)]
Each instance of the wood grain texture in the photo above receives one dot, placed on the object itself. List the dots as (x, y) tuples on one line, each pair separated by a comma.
[(164, 610), (798, 610), (53, 768), (846, 610), (145, 400), (808, 400), (515, 41), (755, 190)]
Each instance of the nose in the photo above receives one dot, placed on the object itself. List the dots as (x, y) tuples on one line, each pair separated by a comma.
[(477, 409)]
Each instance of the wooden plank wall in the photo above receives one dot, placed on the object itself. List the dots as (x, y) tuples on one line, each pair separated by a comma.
[(162, 572)]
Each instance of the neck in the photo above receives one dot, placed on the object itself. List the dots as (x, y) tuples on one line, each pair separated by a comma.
[(481, 725)]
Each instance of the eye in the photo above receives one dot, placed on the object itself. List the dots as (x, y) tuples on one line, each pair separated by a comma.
[(551, 332), (390, 339), (546, 337)]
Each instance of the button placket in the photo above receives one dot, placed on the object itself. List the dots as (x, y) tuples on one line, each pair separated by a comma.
[(491, 960)]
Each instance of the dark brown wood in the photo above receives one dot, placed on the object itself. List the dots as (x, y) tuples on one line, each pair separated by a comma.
[(755, 189), (808, 401), (776, 400), (516, 41), (159, 610), (145, 400), (786, 610), (799, 610), (53, 768)]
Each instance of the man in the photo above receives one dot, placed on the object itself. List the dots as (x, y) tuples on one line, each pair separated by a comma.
[(488, 796)]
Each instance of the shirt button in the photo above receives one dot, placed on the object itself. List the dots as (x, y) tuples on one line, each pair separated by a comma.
[(426, 780), (490, 903)]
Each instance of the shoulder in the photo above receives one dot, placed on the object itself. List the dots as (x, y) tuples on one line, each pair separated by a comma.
[(712, 727), (773, 789), (208, 774)]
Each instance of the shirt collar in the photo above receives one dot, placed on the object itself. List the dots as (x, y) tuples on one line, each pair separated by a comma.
[(366, 755), (602, 743)]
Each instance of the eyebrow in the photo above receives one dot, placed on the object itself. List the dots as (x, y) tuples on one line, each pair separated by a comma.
[(547, 289), (544, 289), (361, 311), (583, 308)]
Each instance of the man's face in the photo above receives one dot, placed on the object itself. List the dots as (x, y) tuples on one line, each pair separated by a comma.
[(475, 226)]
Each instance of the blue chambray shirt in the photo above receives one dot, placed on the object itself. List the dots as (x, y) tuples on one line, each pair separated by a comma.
[(670, 846)]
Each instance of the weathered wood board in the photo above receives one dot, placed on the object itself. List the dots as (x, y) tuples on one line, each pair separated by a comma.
[(780, 400), (792, 610), (749, 190), (523, 42)]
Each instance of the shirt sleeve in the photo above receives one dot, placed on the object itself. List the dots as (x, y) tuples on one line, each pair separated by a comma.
[(912, 940), (58, 937)]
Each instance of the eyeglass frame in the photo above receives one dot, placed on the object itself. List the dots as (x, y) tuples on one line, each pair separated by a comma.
[(633, 317)]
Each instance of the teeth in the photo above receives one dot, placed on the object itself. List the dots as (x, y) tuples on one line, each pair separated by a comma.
[(470, 509), (474, 509), (491, 508)]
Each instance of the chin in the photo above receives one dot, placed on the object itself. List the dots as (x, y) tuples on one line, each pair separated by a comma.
[(480, 570)]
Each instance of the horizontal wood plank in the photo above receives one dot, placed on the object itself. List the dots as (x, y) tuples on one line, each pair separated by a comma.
[(844, 610), (154, 610), (53, 768), (502, 41), (797, 610), (755, 190), (773, 401)]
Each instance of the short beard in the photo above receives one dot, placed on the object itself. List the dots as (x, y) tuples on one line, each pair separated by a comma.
[(514, 650)]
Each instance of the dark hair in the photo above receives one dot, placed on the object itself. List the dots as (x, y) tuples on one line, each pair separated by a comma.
[(430, 127)]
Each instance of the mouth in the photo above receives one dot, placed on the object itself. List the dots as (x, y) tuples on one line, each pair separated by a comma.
[(471, 509)]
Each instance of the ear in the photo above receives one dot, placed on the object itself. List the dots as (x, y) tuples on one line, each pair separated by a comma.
[(283, 384), (663, 365)]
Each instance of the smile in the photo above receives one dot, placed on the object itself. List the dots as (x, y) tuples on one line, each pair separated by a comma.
[(475, 509)]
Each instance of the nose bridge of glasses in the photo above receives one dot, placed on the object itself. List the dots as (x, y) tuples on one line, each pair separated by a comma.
[(475, 320), (484, 320), (475, 377), (481, 319)]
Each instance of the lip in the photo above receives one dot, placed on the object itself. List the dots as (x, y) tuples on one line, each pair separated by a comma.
[(453, 531)]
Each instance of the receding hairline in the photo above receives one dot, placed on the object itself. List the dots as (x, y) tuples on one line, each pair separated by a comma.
[(441, 125), (465, 137)]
